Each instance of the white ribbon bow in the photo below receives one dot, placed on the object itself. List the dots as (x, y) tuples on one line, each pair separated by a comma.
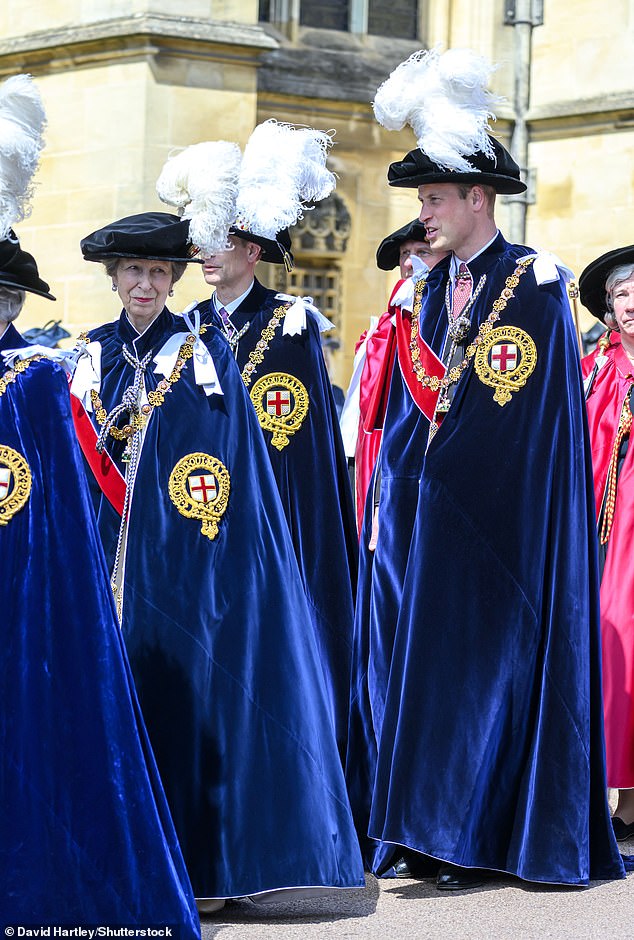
[(67, 358), (548, 268), (404, 297), (87, 375), (204, 369), (295, 318)]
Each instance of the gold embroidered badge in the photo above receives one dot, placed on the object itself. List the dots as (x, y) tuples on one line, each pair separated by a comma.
[(199, 487), (15, 483), (504, 360), (281, 404)]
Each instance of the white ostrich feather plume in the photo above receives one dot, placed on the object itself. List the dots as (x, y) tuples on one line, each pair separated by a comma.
[(22, 122), (445, 99), (283, 169), (202, 182)]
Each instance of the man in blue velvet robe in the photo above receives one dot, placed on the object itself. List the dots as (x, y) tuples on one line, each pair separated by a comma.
[(289, 386), (85, 834), (212, 606), (476, 726)]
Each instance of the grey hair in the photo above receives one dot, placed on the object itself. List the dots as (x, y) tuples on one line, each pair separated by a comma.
[(178, 268), (619, 274), (11, 303)]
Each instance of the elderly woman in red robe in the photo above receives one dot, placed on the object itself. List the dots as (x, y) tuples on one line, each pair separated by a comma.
[(607, 290)]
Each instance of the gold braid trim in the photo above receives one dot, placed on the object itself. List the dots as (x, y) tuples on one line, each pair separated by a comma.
[(20, 365), (499, 305), (256, 356), (623, 430)]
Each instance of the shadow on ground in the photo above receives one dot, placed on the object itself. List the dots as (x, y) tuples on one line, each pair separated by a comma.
[(353, 903)]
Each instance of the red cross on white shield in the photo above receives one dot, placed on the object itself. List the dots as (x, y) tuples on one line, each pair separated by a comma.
[(278, 402), (5, 482), (202, 487), (504, 357)]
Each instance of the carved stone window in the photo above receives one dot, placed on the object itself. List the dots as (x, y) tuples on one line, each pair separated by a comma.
[(398, 19), (319, 242)]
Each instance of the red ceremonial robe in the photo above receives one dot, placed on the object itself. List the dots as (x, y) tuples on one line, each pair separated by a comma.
[(610, 386)]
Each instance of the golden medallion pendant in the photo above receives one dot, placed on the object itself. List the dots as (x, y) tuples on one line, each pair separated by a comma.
[(504, 360), (281, 404), (15, 483), (199, 487)]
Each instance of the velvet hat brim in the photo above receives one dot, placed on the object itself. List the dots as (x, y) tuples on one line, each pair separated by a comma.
[(273, 251), (155, 236), (593, 278), (388, 252), (18, 269), (502, 172)]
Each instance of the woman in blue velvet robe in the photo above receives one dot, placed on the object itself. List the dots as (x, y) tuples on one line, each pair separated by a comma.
[(213, 609), (85, 834)]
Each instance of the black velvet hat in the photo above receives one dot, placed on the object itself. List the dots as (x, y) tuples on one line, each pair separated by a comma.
[(156, 236), (388, 252), (502, 172), (593, 278), (275, 251), (18, 269)]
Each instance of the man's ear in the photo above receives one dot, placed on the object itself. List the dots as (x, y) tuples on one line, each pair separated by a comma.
[(478, 197), (254, 252)]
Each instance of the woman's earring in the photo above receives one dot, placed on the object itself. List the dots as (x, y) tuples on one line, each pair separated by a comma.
[(114, 286), (171, 292)]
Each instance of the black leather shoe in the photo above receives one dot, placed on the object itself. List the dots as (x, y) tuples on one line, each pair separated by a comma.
[(453, 878), (414, 865), (622, 831)]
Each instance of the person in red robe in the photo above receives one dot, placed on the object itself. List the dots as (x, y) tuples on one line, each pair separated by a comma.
[(607, 290), (375, 350)]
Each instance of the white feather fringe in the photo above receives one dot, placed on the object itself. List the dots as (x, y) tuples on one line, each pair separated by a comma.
[(22, 122), (202, 182), (283, 169), (445, 100)]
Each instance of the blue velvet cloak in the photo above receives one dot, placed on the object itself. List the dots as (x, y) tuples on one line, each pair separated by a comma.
[(312, 479), (477, 678), (223, 654), (85, 833)]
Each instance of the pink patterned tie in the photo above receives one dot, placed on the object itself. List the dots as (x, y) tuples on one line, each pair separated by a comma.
[(461, 290), (228, 325)]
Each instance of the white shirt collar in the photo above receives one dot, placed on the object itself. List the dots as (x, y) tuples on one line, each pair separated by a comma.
[(233, 305), (455, 262)]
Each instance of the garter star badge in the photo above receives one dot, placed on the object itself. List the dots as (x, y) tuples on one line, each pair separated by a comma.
[(504, 360), (15, 483), (199, 487), (281, 404)]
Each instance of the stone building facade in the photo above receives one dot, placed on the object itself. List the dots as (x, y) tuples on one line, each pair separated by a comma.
[(127, 81)]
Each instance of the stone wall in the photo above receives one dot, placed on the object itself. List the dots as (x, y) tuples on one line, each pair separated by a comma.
[(126, 81)]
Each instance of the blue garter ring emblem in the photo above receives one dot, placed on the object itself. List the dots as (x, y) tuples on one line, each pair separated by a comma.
[(15, 483), (504, 360), (281, 404), (199, 487)]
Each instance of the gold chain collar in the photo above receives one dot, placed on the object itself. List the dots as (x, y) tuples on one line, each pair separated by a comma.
[(453, 375), (256, 356), (21, 365), (155, 398)]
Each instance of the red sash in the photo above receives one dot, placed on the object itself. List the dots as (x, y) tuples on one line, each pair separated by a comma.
[(423, 396), (381, 355), (106, 473)]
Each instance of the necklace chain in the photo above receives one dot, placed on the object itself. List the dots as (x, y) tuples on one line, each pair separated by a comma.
[(256, 356), (140, 416), (453, 375), (21, 365)]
